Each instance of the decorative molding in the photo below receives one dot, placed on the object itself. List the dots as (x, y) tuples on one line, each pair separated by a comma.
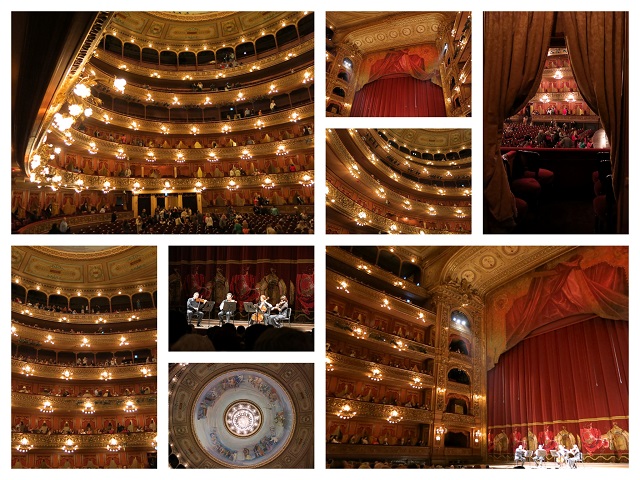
[(75, 404), (118, 373), (380, 411), (457, 419), (129, 440)]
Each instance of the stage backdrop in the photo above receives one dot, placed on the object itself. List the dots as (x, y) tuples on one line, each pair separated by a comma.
[(247, 272), (569, 386)]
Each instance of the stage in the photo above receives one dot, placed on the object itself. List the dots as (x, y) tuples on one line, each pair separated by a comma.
[(551, 466), (206, 323)]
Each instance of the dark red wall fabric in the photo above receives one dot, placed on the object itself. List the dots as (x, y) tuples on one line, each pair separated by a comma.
[(245, 270), (573, 380), (402, 96)]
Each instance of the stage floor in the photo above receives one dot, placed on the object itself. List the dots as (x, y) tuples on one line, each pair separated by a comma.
[(205, 324), (550, 466)]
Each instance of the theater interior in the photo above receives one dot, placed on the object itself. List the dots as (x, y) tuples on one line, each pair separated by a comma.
[(135, 112), (398, 181), (83, 357), (398, 64), (556, 137), (456, 356)]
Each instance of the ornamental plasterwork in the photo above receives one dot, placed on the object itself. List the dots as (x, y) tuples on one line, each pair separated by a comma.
[(80, 254), (195, 154), (83, 373), (339, 201), (397, 305), (376, 271), (397, 31), (445, 139), (110, 317), (457, 388), (210, 74), (361, 367), (286, 83), (146, 127), (409, 349), (376, 451), (75, 404), (131, 440), (376, 410), (100, 341), (409, 160), (457, 419), (365, 178), (504, 270), (154, 27)]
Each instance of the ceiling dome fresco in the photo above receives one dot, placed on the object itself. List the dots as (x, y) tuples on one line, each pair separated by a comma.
[(243, 418), (241, 415)]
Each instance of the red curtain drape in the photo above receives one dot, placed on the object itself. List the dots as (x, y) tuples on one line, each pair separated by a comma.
[(568, 291), (564, 384), (243, 271), (598, 50), (399, 96)]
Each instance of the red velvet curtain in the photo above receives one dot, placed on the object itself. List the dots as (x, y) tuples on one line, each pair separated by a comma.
[(402, 96), (243, 271), (570, 385), (568, 292)]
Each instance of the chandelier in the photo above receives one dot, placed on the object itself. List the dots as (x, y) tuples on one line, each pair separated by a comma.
[(113, 445), (24, 446), (308, 77), (27, 370), (361, 219), (130, 407), (417, 384), (329, 366), (146, 372), (394, 417), (212, 157), (282, 150), (359, 333), (385, 304), (259, 124), (136, 188), (440, 431), (232, 185), (375, 375), (106, 187), (199, 187), (123, 341), (343, 286), (105, 376), (79, 186), (85, 342), (46, 407), (245, 155), (346, 413), (120, 155), (49, 339), (167, 187), (66, 375), (307, 180), (180, 158), (226, 129), (268, 183), (69, 446), (294, 117), (88, 408)]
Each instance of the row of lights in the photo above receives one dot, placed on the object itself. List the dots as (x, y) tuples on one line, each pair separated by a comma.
[(70, 446), (28, 371), (78, 293)]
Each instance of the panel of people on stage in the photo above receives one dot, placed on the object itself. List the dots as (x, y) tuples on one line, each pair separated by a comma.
[(261, 312), (562, 456)]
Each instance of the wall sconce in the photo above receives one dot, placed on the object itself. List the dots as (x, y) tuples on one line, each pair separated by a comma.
[(375, 375), (440, 431), (394, 417), (346, 413)]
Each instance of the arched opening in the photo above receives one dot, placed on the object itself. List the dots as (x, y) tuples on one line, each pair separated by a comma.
[(18, 292), (389, 261), (113, 44), (187, 59), (167, 57), (286, 35), (224, 55), (246, 49), (347, 63), (206, 57), (305, 25), (343, 75), (456, 439), (58, 301), (78, 303), (264, 44), (99, 304), (132, 51), (458, 405), (460, 319), (36, 296), (142, 300), (339, 92), (120, 303), (411, 272), (458, 345), (459, 376), (150, 55)]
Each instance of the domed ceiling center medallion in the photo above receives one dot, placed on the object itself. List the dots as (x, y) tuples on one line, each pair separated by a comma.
[(243, 418)]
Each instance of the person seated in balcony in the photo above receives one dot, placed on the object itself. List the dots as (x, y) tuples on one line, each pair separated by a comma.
[(247, 112), (272, 105)]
